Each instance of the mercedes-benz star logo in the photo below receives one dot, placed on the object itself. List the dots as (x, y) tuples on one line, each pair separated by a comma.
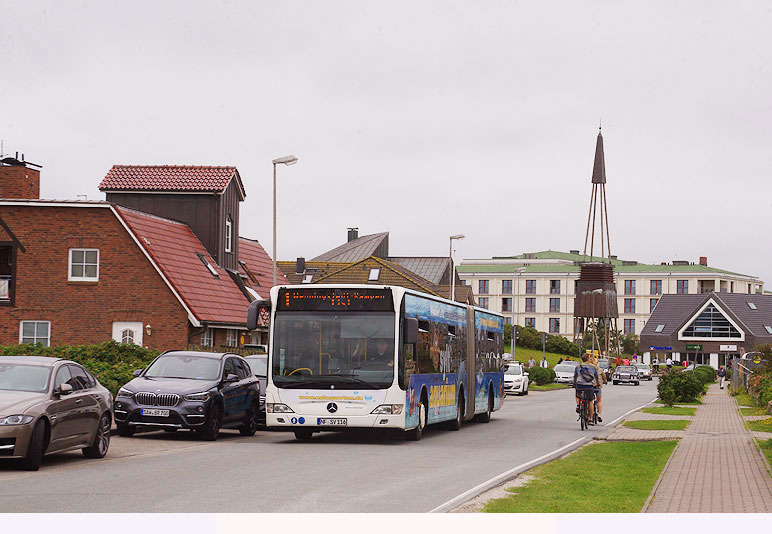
[(332, 407)]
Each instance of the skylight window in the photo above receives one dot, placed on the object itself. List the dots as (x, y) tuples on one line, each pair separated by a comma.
[(374, 274), (307, 278), (660, 328), (768, 329), (752, 306), (207, 264)]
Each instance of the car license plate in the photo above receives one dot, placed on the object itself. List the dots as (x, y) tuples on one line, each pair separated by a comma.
[(153, 412), (330, 421)]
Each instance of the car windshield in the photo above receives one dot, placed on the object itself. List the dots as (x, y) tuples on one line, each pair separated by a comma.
[(513, 370), (259, 365), (643, 367), (602, 364), (563, 368), (322, 350), (24, 377), (184, 366), (626, 369)]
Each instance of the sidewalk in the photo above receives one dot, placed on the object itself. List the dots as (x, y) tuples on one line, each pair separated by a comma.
[(716, 467)]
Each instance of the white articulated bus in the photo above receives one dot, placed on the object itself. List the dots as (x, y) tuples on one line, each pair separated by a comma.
[(381, 357)]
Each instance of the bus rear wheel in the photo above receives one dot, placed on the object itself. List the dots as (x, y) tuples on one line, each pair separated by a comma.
[(455, 424), (416, 433), (486, 417)]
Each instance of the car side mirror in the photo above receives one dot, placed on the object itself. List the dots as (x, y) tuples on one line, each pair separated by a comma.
[(230, 377), (64, 389), (411, 331), (137, 372), (253, 312)]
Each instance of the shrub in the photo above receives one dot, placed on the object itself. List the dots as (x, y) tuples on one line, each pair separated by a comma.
[(760, 388), (679, 387), (706, 375), (541, 375)]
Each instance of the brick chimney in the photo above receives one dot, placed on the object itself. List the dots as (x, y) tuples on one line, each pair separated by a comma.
[(704, 260), (18, 179)]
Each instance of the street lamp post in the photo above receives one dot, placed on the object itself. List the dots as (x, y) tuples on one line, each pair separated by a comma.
[(452, 267), (286, 160)]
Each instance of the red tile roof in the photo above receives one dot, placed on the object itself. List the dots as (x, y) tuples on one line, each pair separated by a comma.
[(259, 267), (175, 248), (170, 178)]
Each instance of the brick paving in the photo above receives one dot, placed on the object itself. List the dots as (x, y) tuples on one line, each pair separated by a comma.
[(641, 416), (622, 433), (715, 467)]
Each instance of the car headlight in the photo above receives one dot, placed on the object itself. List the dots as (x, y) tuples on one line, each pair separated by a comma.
[(278, 408), (123, 392), (16, 420), (393, 409), (197, 397)]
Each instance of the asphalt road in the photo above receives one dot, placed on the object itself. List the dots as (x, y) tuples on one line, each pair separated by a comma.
[(334, 472)]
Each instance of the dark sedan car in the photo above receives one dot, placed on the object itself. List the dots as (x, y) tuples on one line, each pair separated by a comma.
[(51, 405), (259, 365), (199, 391), (626, 374)]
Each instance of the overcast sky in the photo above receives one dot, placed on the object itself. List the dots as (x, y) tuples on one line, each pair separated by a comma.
[(423, 119)]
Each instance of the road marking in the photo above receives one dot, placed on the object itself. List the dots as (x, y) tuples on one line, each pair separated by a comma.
[(628, 413), (506, 475)]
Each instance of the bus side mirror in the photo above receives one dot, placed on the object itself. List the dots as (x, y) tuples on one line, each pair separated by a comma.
[(253, 314), (411, 331)]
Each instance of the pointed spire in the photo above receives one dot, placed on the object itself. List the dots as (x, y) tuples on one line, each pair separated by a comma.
[(599, 168)]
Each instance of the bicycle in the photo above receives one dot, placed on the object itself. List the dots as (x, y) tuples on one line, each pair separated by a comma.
[(584, 415)]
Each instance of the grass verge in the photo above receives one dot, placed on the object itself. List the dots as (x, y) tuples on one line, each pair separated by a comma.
[(626, 470), (665, 410), (743, 399), (753, 410), (671, 424), (690, 403), (764, 425), (766, 447), (547, 387)]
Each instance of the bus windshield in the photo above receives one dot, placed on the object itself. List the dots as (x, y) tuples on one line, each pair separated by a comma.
[(330, 349)]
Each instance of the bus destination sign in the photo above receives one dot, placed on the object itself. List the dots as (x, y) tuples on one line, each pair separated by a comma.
[(334, 299)]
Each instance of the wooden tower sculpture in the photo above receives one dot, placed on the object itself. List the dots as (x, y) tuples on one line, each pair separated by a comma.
[(595, 306)]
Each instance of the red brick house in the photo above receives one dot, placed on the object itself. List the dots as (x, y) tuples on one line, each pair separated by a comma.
[(74, 272)]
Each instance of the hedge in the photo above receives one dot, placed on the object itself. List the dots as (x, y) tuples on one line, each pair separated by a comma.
[(530, 338), (679, 387), (541, 375), (110, 362)]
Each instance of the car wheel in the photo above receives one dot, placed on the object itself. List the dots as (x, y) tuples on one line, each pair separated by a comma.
[(416, 433), (250, 423), (615, 382), (637, 383), (101, 443), (34, 456), (526, 391), (125, 430), (212, 426)]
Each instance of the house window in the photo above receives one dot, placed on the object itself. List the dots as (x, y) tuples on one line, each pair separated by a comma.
[(555, 287), (656, 287), (659, 329), (228, 234), (629, 326), (629, 305), (629, 287), (652, 304), (682, 287), (506, 287), (35, 332), (232, 340), (554, 305), (484, 302), (127, 332), (127, 336), (483, 286), (84, 265), (374, 274), (530, 322), (207, 338), (506, 304), (554, 326), (7, 274), (530, 305), (711, 323), (530, 287)]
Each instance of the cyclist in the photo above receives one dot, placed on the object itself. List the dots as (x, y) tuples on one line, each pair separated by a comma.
[(602, 375), (585, 381)]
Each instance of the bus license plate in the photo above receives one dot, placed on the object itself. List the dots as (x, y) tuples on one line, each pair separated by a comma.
[(154, 412), (329, 421)]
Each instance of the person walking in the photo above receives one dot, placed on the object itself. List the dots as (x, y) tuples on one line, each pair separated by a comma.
[(543, 363), (669, 363), (531, 362), (721, 374)]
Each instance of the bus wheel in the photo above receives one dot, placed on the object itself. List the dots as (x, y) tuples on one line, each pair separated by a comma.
[(486, 417), (455, 424), (416, 433), (303, 435)]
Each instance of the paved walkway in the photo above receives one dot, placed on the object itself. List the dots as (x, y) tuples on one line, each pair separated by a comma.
[(716, 467)]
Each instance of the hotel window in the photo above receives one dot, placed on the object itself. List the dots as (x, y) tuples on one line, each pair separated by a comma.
[(682, 287), (507, 320), (484, 302), (228, 234), (530, 287), (652, 304), (554, 305), (656, 287), (530, 305), (555, 287), (84, 265), (629, 305), (530, 322), (554, 326), (483, 286), (731, 287), (207, 338), (629, 287), (506, 287), (35, 332), (506, 304), (629, 326)]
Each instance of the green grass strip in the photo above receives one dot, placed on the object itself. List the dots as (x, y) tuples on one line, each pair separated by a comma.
[(764, 425), (670, 424), (743, 399), (766, 447), (690, 403), (753, 410), (546, 387), (666, 410), (625, 470)]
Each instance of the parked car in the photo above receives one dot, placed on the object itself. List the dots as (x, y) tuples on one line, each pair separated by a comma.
[(605, 366), (564, 373), (199, 391), (692, 367), (51, 405), (644, 371), (515, 379), (259, 366), (625, 374)]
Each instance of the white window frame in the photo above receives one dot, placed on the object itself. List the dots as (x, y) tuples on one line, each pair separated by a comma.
[(375, 273), (232, 339), (120, 326), (35, 338), (207, 338), (228, 234), (83, 278)]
